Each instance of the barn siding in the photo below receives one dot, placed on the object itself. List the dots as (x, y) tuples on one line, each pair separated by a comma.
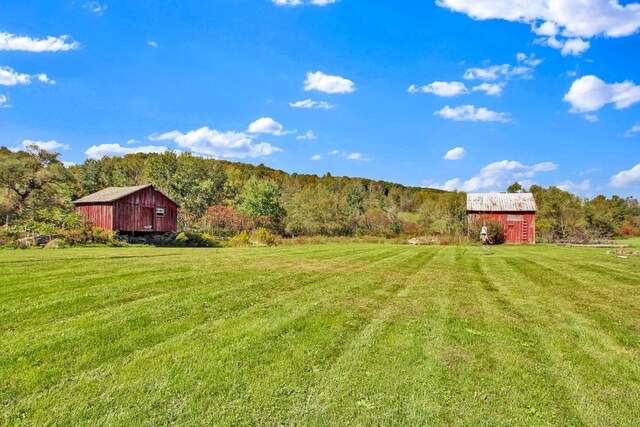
[(129, 211), (100, 214), (519, 227)]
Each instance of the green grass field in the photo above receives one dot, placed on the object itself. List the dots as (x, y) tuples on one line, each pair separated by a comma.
[(319, 335)]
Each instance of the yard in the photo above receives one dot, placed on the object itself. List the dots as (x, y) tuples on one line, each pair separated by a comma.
[(317, 335)]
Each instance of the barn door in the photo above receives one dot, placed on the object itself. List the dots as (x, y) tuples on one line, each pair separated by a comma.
[(514, 228), (511, 233), (147, 219)]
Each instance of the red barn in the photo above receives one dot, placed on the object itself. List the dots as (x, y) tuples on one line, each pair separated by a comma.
[(130, 209), (517, 211)]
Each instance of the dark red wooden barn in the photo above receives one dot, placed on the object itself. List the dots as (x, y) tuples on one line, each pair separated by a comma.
[(517, 211), (130, 209)]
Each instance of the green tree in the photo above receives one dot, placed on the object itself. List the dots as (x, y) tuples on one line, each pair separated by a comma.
[(428, 215), (160, 170), (263, 198), (605, 216), (30, 176), (316, 210), (515, 188), (196, 184), (560, 214)]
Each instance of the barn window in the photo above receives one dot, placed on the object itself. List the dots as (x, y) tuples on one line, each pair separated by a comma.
[(160, 212)]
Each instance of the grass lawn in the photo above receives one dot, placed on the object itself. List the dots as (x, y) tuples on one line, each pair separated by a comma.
[(634, 242), (319, 335)]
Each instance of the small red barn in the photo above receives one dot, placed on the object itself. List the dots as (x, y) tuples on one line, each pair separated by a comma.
[(517, 211), (130, 209)]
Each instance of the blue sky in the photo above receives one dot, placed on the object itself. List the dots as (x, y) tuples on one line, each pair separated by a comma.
[(466, 94)]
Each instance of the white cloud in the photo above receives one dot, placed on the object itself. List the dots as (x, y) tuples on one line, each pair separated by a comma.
[(572, 19), (574, 47), (45, 79), (45, 145), (300, 2), (530, 60), (152, 43), (316, 157), (591, 118), (310, 104), (10, 41), (4, 99), (350, 156), (495, 72), (589, 93), (95, 7), (328, 84), (492, 89), (269, 126), (99, 151), (10, 77), (633, 131), (575, 187), (307, 136), (356, 156), (457, 153), (472, 114), (445, 89), (214, 143), (627, 178), (497, 176), (547, 29)]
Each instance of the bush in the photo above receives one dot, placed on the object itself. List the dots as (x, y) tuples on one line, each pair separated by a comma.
[(265, 237), (411, 229), (380, 223), (88, 234), (495, 231), (197, 240), (239, 240), (181, 239)]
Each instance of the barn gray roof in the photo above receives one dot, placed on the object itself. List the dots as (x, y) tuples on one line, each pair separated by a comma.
[(501, 202), (111, 194)]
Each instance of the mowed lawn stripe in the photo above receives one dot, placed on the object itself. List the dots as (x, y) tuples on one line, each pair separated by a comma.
[(90, 285), (87, 329), (236, 327), (382, 255), (577, 340), (319, 335)]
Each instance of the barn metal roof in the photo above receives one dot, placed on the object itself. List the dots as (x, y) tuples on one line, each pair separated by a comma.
[(501, 202), (111, 194)]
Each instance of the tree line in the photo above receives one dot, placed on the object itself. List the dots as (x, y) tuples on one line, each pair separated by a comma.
[(225, 198)]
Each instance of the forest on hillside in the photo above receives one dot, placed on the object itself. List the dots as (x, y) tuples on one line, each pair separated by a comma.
[(223, 199)]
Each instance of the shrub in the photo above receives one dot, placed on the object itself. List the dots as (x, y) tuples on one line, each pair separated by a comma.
[(239, 240), (265, 237), (181, 239), (495, 231), (88, 234), (197, 240), (411, 229)]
